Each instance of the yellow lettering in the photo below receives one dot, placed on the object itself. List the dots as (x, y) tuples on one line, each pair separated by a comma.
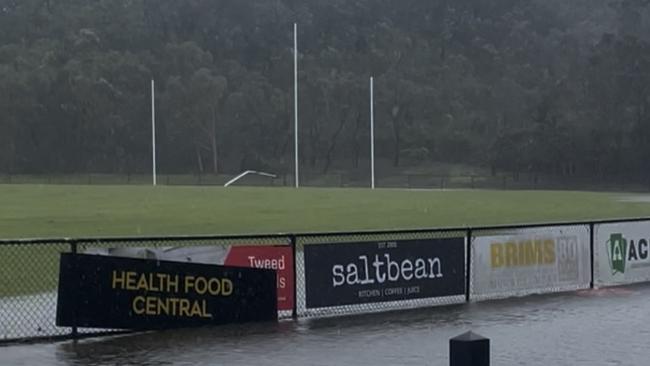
[(226, 287), (496, 255), (214, 287), (172, 284), (151, 306), (524, 253), (205, 313), (138, 309), (189, 283), (172, 306), (201, 285), (549, 251), (163, 307), (521, 253), (152, 283), (184, 307), (130, 281), (511, 254), (142, 283), (196, 309), (529, 253), (174, 302), (539, 252), (118, 279)]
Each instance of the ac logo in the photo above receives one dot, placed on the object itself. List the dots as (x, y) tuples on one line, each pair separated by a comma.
[(617, 250), (625, 253)]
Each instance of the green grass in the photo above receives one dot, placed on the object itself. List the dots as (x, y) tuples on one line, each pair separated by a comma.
[(28, 211), (29, 269)]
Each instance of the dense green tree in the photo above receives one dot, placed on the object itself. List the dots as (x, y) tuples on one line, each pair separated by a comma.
[(543, 88)]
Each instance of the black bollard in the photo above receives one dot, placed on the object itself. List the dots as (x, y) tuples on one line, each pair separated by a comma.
[(469, 349)]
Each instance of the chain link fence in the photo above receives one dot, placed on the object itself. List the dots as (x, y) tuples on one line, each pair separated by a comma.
[(29, 275), (327, 274)]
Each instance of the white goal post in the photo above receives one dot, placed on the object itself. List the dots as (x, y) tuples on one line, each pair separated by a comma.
[(242, 175)]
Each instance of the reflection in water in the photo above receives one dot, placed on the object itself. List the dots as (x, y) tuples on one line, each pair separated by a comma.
[(603, 327)]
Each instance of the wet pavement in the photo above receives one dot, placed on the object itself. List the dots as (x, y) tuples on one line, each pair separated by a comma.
[(593, 327)]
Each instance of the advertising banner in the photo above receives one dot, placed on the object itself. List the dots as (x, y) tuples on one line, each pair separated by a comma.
[(621, 253), (277, 257), (530, 261), (369, 272), (112, 292)]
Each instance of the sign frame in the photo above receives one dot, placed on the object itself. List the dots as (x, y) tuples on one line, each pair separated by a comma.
[(416, 269), (97, 291)]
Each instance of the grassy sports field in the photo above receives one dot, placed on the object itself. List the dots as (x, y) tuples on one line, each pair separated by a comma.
[(29, 211)]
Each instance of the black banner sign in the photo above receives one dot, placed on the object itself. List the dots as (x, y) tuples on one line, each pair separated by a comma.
[(110, 292), (367, 272)]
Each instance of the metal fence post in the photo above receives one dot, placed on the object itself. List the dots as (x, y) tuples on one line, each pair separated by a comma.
[(591, 253), (73, 249), (468, 264), (293, 241)]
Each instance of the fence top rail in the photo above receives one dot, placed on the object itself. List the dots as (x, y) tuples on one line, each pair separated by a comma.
[(32, 241), (115, 239), (171, 238), (472, 228)]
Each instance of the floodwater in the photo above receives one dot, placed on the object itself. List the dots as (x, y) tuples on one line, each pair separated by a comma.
[(592, 327)]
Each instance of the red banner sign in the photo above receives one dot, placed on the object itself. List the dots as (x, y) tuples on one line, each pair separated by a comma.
[(278, 258)]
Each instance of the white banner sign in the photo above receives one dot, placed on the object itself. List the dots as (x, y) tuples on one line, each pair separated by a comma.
[(531, 261), (621, 253)]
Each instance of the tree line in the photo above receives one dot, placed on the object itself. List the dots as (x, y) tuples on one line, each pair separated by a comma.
[(545, 87)]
